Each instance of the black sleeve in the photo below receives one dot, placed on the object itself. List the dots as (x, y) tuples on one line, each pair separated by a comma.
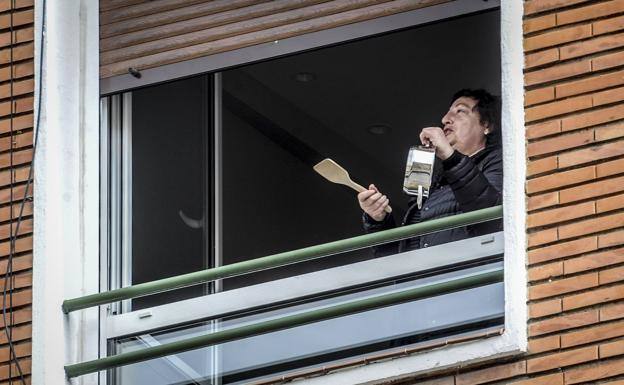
[(372, 226), (476, 188)]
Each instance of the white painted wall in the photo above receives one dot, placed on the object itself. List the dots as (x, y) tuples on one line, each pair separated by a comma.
[(66, 197)]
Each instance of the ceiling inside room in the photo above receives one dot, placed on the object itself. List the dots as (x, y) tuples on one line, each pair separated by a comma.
[(402, 81)]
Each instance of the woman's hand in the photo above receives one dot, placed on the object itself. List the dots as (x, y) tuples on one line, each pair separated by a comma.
[(434, 136), (373, 203)]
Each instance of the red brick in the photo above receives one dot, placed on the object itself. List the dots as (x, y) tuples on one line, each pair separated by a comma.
[(557, 72), (19, 18), (543, 129), (19, 316), (20, 52), (591, 226), (609, 96), (543, 165), (20, 87), (6, 5), (610, 168), (611, 349), (21, 245), (542, 236), (19, 105), (589, 84), (603, 369), (610, 131), (611, 275), (491, 374), (541, 58), (25, 365), (543, 200), (556, 37), (590, 190), (547, 271), (563, 286), (559, 107), (559, 360), (561, 142), (592, 118), (562, 250), (20, 36), (20, 263), (560, 179), (17, 174), (20, 350), (25, 227), (20, 298), (535, 6), (561, 214), (592, 334), (607, 61), (591, 154), (19, 157), (611, 239), (539, 95), (539, 23), (544, 344), (591, 46), (551, 379), (593, 261), (20, 70), (18, 141), (594, 297), (542, 309), (18, 333), (5, 212), (609, 25), (564, 322), (590, 12), (612, 311), (610, 203)]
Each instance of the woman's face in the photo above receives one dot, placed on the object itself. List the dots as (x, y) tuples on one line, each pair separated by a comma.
[(462, 126)]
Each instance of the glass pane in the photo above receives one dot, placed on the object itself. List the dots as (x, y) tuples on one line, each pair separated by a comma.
[(169, 172), (361, 104), (327, 342)]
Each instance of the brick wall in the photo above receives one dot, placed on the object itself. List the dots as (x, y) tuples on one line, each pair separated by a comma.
[(574, 111), (20, 94)]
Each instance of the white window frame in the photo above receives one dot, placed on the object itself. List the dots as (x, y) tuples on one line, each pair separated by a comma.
[(67, 196)]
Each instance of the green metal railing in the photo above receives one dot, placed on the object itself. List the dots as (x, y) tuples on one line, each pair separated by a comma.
[(286, 322), (282, 259)]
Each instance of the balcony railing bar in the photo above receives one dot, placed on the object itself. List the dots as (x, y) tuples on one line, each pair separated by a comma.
[(421, 292), (282, 259)]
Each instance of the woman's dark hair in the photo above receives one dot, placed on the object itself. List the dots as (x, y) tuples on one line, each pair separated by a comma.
[(488, 107)]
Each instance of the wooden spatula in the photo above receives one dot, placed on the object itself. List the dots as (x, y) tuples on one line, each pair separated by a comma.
[(332, 171)]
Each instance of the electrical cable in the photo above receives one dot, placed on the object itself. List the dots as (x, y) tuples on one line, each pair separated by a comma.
[(13, 235)]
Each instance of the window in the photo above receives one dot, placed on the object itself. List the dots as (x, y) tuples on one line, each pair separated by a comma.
[(215, 169)]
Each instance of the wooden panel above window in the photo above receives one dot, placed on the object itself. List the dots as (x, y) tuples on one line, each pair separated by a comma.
[(138, 34)]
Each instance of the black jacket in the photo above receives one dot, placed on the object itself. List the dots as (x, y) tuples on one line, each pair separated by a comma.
[(463, 184)]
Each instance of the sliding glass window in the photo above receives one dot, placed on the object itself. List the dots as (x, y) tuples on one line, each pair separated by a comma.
[(218, 169)]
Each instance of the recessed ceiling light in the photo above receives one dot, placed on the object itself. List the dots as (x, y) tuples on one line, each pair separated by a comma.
[(304, 77), (379, 129)]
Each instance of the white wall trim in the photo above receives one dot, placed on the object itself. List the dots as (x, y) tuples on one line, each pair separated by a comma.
[(66, 190)]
